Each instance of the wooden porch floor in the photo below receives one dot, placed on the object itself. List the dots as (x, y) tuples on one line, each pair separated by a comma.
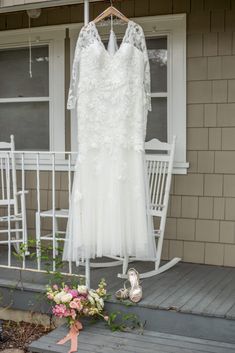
[(97, 339), (187, 288)]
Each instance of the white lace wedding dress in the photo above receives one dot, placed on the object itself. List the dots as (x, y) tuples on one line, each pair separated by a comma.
[(111, 93)]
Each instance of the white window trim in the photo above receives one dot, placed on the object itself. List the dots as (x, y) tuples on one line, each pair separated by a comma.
[(174, 27), (54, 38)]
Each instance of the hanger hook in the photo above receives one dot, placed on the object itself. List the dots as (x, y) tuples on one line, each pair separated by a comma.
[(111, 2)]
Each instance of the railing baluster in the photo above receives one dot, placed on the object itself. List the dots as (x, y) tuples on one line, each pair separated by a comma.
[(53, 212), (38, 223), (23, 210), (2, 178), (69, 191), (8, 208)]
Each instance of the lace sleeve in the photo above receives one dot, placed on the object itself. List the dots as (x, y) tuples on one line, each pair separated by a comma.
[(72, 96), (147, 79), (137, 38)]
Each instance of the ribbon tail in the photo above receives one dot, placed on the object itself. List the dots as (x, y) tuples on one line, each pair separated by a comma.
[(74, 342), (65, 339), (73, 336)]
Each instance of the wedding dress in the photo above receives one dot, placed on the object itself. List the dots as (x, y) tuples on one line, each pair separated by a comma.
[(109, 203)]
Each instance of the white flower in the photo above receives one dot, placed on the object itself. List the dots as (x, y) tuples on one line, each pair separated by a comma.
[(58, 296), (101, 301), (91, 300), (67, 297), (93, 294), (100, 304), (82, 289)]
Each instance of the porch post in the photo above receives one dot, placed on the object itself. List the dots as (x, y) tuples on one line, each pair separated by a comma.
[(86, 12), (87, 263)]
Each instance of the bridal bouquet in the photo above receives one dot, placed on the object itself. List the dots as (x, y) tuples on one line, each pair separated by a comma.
[(75, 302)]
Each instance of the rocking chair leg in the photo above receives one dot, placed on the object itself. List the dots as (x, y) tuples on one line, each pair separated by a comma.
[(125, 265), (88, 273), (17, 237)]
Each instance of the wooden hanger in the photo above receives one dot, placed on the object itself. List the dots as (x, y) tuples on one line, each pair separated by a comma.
[(111, 11)]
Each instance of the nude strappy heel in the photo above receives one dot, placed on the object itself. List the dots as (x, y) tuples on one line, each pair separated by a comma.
[(135, 292), (123, 293)]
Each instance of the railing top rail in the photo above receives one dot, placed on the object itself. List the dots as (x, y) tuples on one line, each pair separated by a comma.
[(38, 152)]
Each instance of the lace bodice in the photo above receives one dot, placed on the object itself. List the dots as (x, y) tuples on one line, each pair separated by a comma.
[(112, 92), (88, 36)]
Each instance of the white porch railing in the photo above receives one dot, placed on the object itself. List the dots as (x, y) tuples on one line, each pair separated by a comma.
[(35, 175)]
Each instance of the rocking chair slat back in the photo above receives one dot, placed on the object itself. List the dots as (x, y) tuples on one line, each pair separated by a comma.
[(8, 190), (14, 226), (159, 168)]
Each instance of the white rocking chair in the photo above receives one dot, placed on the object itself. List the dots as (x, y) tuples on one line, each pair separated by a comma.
[(159, 168), (13, 225)]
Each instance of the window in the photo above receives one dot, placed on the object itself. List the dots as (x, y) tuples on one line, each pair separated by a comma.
[(32, 108), (166, 44), (24, 107), (157, 118)]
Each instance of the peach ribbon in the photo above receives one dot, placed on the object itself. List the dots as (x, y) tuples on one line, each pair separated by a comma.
[(73, 336)]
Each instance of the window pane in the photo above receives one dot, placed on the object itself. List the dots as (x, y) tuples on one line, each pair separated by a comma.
[(28, 122), (157, 120), (14, 72), (157, 52)]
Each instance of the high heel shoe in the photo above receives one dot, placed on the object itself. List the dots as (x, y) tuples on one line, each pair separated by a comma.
[(135, 292), (123, 293)]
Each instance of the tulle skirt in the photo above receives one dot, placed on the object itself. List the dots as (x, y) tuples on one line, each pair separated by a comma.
[(109, 207)]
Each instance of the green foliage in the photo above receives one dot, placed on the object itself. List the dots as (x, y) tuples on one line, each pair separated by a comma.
[(119, 321)]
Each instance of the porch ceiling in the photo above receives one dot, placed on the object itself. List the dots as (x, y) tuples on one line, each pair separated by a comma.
[(22, 5)]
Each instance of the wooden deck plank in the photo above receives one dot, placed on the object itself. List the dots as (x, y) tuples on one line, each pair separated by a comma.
[(202, 306), (192, 286), (224, 301), (101, 345), (168, 280), (175, 287), (215, 278), (231, 313), (95, 339), (167, 342), (206, 342)]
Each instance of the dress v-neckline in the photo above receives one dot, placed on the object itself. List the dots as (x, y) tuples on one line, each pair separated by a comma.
[(101, 42)]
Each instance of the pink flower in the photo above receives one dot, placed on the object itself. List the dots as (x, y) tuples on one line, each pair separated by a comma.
[(50, 296), (66, 288), (73, 292), (73, 314), (106, 318), (55, 287), (76, 304), (60, 310)]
